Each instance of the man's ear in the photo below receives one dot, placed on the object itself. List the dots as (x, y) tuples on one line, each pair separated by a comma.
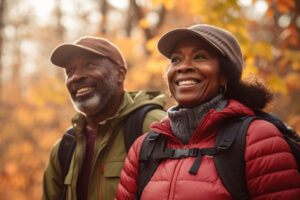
[(121, 70)]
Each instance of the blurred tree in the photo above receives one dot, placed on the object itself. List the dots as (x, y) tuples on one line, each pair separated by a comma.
[(103, 11), (2, 11), (60, 29)]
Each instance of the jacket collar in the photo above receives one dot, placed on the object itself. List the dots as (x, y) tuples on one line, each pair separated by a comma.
[(209, 123), (131, 101), (79, 120)]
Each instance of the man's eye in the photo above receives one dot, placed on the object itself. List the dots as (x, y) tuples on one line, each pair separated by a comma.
[(90, 65), (175, 59), (69, 71)]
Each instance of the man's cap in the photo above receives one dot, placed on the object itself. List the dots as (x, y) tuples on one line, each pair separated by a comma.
[(62, 54), (220, 39)]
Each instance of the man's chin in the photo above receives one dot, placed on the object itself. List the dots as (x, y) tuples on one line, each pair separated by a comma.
[(88, 106)]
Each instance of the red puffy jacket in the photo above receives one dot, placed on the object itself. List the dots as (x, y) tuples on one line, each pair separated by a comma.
[(271, 170)]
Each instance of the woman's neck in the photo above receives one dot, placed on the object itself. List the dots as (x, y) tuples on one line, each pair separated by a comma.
[(184, 121)]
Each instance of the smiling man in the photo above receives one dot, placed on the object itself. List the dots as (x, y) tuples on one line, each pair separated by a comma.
[(95, 73)]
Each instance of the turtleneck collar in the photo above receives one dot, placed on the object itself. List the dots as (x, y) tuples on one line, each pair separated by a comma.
[(184, 121)]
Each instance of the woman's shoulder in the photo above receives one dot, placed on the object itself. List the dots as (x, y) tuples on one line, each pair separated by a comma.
[(263, 138), (260, 130)]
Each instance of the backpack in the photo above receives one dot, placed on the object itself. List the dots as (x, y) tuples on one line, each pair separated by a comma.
[(228, 153), (133, 128)]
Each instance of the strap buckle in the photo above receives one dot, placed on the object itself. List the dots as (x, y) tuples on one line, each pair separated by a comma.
[(225, 144), (183, 153), (180, 153), (153, 136)]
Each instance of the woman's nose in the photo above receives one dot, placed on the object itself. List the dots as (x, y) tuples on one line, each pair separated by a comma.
[(184, 67)]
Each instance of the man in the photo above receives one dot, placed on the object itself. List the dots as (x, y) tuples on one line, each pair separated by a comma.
[(95, 73)]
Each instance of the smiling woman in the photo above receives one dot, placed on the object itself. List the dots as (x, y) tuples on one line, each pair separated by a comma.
[(194, 73), (204, 77)]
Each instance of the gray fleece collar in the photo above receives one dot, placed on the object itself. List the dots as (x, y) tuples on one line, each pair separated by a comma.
[(184, 121)]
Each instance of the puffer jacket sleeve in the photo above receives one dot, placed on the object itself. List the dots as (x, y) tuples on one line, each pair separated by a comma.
[(53, 183), (128, 180), (271, 169)]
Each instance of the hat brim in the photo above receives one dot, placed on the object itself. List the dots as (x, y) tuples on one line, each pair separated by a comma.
[(62, 55), (167, 42)]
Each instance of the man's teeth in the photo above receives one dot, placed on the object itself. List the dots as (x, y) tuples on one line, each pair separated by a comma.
[(187, 82), (82, 90)]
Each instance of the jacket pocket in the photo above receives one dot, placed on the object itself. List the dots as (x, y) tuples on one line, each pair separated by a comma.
[(110, 179), (113, 169)]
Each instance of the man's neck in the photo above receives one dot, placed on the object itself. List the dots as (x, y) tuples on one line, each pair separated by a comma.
[(108, 112)]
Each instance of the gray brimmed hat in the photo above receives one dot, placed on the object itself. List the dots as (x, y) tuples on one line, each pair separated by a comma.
[(220, 39), (62, 54)]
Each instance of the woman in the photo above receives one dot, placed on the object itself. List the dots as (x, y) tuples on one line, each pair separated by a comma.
[(204, 77)]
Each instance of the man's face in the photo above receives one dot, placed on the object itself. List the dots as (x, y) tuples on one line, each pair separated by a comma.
[(92, 83)]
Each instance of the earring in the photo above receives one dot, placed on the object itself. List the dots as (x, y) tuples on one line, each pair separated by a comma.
[(223, 89)]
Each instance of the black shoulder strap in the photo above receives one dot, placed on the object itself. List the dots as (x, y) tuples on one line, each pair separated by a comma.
[(134, 123), (230, 162), (153, 142), (133, 129), (65, 150)]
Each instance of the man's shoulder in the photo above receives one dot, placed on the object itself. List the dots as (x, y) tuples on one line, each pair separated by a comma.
[(155, 115), (143, 97)]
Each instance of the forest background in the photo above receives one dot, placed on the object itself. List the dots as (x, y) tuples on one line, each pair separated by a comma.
[(35, 108)]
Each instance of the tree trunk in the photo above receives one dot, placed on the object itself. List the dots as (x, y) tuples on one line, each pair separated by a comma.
[(59, 27), (2, 10), (103, 10)]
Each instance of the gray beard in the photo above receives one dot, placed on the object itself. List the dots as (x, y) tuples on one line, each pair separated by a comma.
[(87, 104), (99, 100)]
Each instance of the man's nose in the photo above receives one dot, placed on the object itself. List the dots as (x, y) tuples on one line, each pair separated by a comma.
[(77, 75)]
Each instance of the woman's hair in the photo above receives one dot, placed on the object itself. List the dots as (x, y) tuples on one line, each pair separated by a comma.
[(252, 91)]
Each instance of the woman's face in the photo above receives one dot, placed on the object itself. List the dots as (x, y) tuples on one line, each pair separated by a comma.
[(194, 73)]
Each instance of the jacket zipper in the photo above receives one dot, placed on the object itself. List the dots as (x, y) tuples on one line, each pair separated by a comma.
[(101, 180), (174, 179)]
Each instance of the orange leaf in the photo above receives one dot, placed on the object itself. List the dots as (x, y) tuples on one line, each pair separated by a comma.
[(270, 14)]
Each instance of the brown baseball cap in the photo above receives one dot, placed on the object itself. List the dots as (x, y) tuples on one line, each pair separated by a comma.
[(220, 39), (62, 54)]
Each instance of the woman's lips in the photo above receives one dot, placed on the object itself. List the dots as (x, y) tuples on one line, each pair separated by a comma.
[(187, 82)]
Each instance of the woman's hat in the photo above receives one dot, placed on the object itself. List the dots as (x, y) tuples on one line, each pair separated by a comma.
[(62, 54), (220, 39)]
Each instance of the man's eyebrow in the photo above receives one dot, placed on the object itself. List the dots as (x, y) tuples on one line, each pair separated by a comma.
[(176, 51)]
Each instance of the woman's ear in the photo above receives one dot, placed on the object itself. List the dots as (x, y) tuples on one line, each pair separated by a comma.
[(121, 70)]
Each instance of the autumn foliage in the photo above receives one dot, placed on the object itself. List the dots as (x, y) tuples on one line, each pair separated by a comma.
[(35, 108)]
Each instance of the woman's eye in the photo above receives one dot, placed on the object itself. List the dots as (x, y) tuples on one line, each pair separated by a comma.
[(199, 56)]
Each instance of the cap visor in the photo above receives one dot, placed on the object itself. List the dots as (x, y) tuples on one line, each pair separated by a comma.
[(62, 55)]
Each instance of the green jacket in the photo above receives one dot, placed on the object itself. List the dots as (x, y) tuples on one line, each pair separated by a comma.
[(109, 155)]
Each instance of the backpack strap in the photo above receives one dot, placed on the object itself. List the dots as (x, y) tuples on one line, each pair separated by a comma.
[(230, 162), (153, 142), (134, 123), (65, 150), (133, 129), (153, 150)]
